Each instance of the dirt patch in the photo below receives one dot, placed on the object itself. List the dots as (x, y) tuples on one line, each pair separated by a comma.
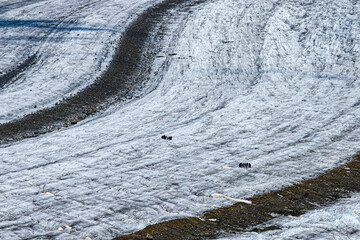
[(291, 201), (11, 76)]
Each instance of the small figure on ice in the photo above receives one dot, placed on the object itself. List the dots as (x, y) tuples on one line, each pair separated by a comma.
[(245, 165), (166, 137)]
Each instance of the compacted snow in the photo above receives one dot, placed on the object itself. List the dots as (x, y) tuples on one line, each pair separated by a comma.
[(273, 83)]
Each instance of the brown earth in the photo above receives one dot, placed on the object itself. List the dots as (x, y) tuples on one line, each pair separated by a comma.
[(290, 201)]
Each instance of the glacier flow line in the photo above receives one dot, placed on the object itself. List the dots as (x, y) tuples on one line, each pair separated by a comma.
[(127, 71)]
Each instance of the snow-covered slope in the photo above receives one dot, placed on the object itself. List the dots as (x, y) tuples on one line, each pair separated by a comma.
[(274, 83)]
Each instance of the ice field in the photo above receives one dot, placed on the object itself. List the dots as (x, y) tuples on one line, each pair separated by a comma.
[(274, 83)]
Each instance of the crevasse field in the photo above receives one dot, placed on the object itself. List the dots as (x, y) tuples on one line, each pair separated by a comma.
[(274, 83)]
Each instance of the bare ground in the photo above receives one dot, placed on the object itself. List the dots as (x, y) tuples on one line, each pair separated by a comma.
[(290, 201)]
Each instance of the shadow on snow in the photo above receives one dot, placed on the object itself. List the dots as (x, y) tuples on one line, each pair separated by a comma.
[(52, 25)]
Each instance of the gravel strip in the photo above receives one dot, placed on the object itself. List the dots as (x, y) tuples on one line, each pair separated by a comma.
[(126, 73), (291, 201)]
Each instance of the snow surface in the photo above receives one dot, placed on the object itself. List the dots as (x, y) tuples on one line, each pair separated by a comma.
[(274, 83)]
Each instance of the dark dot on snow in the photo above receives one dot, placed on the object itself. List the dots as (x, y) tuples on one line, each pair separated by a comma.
[(166, 137), (35, 106), (245, 165)]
